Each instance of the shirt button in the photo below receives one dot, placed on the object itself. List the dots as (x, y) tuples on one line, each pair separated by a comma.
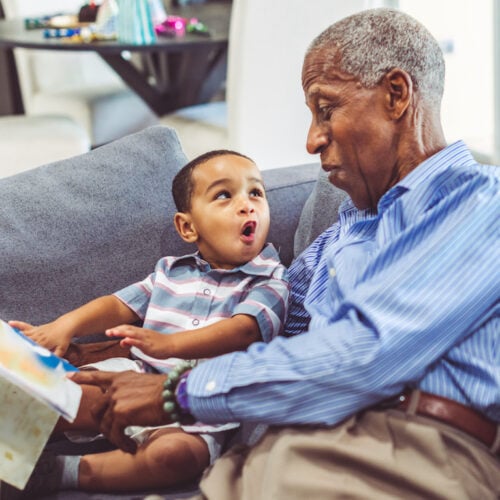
[(206, 291), (210, 386), (196, 322)]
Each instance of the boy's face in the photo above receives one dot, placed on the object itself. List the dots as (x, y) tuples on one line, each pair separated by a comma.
[(229, 213)]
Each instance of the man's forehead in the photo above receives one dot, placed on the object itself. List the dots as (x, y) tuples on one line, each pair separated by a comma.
[(321, 69)]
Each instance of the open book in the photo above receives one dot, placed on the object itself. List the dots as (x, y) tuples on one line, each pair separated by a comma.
[(34, 393)]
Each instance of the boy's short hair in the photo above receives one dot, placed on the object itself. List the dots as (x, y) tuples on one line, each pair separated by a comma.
[(183, 185)]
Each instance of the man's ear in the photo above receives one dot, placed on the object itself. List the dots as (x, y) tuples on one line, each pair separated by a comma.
[(185, 227), (399, 88)]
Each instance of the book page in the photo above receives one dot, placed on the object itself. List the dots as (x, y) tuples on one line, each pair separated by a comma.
[(38, 371), (26, 424)]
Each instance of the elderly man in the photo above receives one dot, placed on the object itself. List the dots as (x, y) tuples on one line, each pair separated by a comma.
[(394, 389)]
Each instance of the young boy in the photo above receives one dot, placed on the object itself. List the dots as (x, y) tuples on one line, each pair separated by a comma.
[(230, 293)]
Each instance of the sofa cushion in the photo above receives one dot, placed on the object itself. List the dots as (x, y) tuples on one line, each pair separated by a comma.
[(87, 226), (319, 213)]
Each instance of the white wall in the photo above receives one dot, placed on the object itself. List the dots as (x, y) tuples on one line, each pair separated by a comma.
[(465, 30), (268, 118)]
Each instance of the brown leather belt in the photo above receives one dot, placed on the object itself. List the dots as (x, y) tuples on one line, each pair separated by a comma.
[(453, 414)]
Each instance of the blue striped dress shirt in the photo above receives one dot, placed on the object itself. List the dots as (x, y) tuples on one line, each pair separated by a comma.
[(407, 296)]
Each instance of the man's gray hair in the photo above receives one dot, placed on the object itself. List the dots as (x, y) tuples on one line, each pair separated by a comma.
[(370, 43)]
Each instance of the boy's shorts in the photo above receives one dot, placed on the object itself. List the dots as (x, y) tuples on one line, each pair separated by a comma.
[(214, 435)]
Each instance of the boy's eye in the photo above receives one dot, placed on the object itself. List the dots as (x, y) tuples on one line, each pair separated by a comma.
[(222, 195), (257, 192)]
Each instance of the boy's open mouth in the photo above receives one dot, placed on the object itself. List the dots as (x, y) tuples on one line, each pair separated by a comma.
[(249, 228)]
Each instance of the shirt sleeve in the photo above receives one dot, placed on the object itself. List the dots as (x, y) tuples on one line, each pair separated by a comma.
[(267, 302), (420, 296), (300, 275), (138, 295)]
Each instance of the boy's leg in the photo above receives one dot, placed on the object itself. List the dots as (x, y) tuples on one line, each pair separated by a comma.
[(169, 457), (93, 352), (84, 420)]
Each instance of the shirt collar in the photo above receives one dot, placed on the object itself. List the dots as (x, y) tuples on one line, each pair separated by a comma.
[(457, 153), (261, 265)]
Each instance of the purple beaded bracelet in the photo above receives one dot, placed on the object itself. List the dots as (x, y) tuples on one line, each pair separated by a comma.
[(174, 395)]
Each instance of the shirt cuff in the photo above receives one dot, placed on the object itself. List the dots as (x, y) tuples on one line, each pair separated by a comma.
[(207, 390)]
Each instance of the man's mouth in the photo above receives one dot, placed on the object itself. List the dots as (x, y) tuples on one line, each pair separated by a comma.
[(329, 168)]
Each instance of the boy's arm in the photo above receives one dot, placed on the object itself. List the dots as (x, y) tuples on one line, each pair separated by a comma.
[(227, 335), (93, 317)]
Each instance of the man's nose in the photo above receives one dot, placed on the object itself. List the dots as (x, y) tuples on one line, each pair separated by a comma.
[(316, 139)]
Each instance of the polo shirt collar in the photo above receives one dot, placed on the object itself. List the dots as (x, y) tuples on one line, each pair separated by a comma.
[(262, 265)]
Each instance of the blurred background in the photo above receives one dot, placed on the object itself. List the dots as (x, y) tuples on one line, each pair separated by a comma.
[(72, 101)]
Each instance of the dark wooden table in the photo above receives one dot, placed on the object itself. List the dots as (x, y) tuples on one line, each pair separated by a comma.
[(169, 74)]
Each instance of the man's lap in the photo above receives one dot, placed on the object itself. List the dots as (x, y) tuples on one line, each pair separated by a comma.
[(377, 454)]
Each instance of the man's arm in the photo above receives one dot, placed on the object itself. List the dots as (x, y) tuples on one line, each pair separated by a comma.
[(409, 305)]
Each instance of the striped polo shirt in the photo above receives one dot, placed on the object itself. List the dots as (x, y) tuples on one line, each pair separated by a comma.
[(185, 293)]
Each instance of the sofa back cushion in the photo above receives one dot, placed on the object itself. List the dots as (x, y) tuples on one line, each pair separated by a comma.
[(87, 226)]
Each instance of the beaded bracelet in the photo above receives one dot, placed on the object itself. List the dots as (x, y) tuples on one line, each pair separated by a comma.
[(174, 393)]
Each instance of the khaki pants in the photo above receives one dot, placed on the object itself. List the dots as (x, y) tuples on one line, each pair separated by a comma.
[(386, 454)]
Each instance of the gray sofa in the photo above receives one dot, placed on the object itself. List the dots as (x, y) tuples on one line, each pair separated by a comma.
[(89, 225)]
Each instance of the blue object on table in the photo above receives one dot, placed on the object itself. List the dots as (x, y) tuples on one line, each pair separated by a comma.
[(135, 23)]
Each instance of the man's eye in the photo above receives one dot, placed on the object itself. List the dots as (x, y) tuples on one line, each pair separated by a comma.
[(222, 195), (325, 112)]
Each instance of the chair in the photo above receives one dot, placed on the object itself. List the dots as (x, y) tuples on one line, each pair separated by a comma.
[(264, 114), (78, 85)]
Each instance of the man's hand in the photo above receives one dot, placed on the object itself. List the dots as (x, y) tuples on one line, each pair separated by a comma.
[(150, 342), (129, 398), (50, 336)]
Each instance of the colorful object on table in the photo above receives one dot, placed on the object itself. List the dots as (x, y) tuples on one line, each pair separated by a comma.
[(172, 26), (135, 24), (158, 12), (88, 13), (31, 23), (197, 27), (106, 25), (60, 32), (178, 26)]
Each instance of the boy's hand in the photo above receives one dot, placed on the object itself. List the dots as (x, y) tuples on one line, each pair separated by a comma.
[(49, 336), (152, 343)]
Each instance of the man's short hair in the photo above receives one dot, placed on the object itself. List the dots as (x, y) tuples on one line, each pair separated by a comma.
[(370, 43), (183, 184)]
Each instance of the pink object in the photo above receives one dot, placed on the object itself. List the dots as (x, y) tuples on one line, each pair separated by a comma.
[(173, 25)]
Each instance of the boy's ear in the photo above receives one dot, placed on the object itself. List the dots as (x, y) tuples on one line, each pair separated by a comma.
[(185, 227)]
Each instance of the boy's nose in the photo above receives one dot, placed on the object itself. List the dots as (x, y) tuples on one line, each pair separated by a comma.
[(246, 207)]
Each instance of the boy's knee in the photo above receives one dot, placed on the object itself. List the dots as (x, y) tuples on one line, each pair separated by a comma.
[(184, 455)]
